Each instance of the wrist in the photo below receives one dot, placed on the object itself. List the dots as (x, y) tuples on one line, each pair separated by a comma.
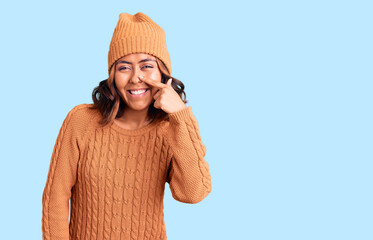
[(180, 115)]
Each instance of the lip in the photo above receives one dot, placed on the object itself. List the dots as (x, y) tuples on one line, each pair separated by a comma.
[(139, 95), (135, 89)]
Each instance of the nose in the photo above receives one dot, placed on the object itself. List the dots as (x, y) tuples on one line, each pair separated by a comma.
[(135, 78)]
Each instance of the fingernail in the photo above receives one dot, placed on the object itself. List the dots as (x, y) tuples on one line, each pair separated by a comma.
[(141, 77)]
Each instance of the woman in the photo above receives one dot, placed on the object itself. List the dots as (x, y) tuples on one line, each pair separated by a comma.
[(113, 157)]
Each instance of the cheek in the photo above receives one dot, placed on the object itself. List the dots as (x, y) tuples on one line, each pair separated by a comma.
[(156, 76), (120, 81), (153, 91)]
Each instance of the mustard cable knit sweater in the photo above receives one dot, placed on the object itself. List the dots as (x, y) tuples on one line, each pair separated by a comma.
[(116, 177)]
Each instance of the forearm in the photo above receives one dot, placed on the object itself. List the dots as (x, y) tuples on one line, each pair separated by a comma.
[(60, 180), (189, 176), (55, 222)]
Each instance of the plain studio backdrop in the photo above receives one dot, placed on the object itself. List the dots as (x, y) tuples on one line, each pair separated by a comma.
[(282, 91)]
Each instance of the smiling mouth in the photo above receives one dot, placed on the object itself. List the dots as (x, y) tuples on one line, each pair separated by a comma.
[(138, 92)]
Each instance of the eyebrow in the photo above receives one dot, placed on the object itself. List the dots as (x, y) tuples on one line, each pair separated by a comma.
[(144, 60)]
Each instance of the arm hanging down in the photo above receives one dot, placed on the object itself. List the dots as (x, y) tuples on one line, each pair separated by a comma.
[(188, 174), (61, 178)]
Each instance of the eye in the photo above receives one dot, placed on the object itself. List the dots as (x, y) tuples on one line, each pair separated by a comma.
[(124, 68), (147, 66)]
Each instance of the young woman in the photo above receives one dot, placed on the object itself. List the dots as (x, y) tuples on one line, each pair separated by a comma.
[(113, 157)]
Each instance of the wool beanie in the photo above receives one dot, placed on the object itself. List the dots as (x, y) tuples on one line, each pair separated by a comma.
[(138, 34)]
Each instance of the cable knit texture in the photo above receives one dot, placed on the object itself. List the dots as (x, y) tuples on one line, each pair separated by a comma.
[(115, 177)]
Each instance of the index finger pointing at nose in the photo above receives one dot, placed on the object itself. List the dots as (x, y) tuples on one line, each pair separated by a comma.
[(152, 82)]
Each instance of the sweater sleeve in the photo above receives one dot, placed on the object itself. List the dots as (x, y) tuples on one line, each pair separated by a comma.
[(188, 173), (60, 180)]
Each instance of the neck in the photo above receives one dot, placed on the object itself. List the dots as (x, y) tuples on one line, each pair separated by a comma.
[(134, 119)]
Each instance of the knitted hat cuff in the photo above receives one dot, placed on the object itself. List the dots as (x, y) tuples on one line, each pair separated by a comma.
[(139, 44)]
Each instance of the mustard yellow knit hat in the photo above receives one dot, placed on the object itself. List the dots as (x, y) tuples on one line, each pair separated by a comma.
[(138, 34)]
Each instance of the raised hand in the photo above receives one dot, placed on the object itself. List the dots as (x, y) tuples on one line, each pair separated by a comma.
[(166, 98)]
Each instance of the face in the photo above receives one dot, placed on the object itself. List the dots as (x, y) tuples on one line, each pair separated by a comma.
[(136, 94)]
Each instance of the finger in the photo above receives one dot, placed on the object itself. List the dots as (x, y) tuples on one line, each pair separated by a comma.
[(157, 94), (152, 82), (156, 105), (169, 82)]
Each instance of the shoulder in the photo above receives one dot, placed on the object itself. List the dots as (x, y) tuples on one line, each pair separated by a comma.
[(83, 112), (81, 116)]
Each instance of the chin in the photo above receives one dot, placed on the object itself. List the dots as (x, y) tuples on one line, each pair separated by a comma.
[(138, 108)]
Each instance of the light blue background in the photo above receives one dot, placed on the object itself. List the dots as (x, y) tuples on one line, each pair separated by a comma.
[(282, 91)]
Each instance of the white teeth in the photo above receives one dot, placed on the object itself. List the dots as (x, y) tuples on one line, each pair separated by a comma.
[(137, 92)]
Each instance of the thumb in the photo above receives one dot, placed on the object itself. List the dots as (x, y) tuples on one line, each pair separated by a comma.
[(169, 82)]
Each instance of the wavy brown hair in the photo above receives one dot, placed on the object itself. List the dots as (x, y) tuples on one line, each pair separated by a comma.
[(107, 100)]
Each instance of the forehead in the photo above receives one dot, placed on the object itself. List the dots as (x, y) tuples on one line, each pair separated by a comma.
[(135, 57)]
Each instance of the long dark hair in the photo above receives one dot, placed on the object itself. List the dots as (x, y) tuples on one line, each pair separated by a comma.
[(107, 100)]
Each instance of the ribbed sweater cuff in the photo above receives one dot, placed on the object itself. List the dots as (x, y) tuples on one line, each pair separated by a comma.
[(181, 115)]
